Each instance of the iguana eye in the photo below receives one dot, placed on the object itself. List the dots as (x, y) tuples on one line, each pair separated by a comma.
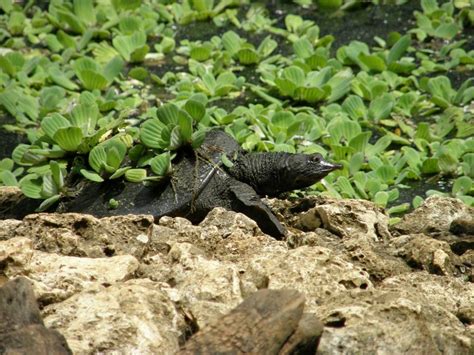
[(316, 157)]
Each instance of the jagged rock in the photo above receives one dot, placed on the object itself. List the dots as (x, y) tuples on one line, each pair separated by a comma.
[(8, 227), (136, 316), (408, 314), (361, 282), (356, 230), (226, 235), (267, 322), (435, 215), (348, 217), (22, 330), (205, 288), (315, 271), (84, 235), (56, 277), (423, 252)]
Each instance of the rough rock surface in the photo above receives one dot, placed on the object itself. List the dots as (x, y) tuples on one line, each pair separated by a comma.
[(22, 330), (267, 322), (130, 286)]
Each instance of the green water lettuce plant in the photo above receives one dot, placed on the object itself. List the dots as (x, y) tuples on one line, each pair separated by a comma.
[(327, 84), (245, 52)]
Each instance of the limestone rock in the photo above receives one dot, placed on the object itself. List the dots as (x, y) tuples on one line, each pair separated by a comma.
[(356, 230), (315, 271), (136, 316), (226, 235), (8, 227), (56, 277), (84, 235), (435, 215), (410, 313), (206, 288), (423, 252), (348, 217)]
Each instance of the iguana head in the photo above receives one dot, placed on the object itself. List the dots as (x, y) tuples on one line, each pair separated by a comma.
[(273, 173)]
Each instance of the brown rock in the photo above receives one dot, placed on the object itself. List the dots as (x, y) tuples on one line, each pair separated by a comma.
[(84, 235), (22, 330), (435, 215), (267, 322)]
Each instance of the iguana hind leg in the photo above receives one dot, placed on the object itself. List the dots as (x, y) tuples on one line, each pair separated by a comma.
[(247, 201)]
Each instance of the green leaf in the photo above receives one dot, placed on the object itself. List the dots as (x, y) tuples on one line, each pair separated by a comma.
[(48, 203), (84, 10), (359, 142), (161, 164), (97, 158), (135, 175), (49, 188), (57, 174), (92, 80), (293, 22), (398, 49), (346, 188), (196, 109), (404, 207), (90, 175), (7, 164), (340, 84), (231, 42), (68, 138), (226, 161), (8, 178), (440, 88), (168, 114), (248, 56), (151, 133), (286, 87), (430, 166), (185, 123), (372, 62), (295, 74), (176, 140), (447, 30), (58, 77), (386, 173), (462, 186), (355, 107), (114, 159), (303, 48), (51, 124), (127, 45), (310, 95), (356, 162), (381, 198), (85, 117), (381, 107), (201, 53), (31, 186), (113, 68), (198, 138)]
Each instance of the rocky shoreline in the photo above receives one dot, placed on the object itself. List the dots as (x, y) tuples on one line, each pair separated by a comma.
[(124, 284)]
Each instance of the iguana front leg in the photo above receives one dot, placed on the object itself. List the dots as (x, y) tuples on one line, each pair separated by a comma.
[(247, 201)]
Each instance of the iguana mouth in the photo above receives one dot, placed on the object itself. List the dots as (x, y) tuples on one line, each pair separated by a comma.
[(325, 166)]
